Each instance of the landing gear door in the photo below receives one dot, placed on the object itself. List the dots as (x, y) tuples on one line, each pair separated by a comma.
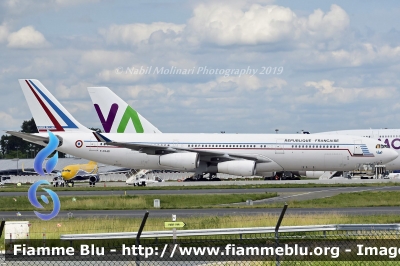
[(279, 146), (357, 148)]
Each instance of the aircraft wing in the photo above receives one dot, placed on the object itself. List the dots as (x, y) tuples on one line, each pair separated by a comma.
[(27, 136), (145, 148), (211, 156)]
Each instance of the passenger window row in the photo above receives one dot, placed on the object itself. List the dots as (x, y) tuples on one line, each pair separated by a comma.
[(386, 136), (252, 146), (222, 146), (316, 146)]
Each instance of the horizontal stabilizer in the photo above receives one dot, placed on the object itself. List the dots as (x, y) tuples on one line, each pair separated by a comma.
[(28, 136)]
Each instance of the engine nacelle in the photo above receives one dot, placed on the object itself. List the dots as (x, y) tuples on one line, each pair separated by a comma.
[(94, 179), (241, 168), (182, 160), (314, 174)]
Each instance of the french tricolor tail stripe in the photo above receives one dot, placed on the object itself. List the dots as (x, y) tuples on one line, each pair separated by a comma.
[(57, 125), (100, 137)]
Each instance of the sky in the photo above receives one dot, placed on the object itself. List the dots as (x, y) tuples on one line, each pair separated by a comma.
[(245, 66)]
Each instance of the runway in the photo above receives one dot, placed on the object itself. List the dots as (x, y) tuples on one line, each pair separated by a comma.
[(205, 191), (29, 215)]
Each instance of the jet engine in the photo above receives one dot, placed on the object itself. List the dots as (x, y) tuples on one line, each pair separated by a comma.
[(241, 168), (94, 179), (183, 160)]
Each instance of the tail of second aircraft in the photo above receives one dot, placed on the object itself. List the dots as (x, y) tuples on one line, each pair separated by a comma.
[(47, 112), (121, 117)]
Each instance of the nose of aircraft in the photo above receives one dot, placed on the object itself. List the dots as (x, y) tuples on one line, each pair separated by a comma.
[(63, 173)]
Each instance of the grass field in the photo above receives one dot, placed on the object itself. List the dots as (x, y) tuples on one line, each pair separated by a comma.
[(25, 187), (199, 201), (53, 229), (133, 202)]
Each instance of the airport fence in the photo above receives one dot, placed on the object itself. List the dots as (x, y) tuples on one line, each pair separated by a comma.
[(337, 244)]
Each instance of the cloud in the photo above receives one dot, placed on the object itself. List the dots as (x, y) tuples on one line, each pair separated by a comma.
[(122, 74), (27, 38), (111, 65), (326, 92), (323, 86), (225, 24), (367, 53), (327, 25), (245, 82), (229, 84), (329, 69), (76, 91), (276, 83), (359, 54), (7, 119), (133, 34), (103, 57), (3, 33), (148, 91)]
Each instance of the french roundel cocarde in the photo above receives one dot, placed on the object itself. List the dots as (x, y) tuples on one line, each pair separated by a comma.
[(79, 143)]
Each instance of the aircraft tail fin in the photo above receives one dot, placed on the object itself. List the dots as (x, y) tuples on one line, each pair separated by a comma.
[(46, 110), (121, 117)]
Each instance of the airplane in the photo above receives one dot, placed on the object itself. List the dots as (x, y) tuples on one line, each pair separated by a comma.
[(390, 138), (77, 172), (235, 154), (105, 99)]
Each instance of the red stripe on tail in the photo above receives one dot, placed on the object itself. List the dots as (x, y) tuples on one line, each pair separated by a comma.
[(49, 114)]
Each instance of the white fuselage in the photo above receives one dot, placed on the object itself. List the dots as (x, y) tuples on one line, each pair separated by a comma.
[(289, 152), (390, 137)]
